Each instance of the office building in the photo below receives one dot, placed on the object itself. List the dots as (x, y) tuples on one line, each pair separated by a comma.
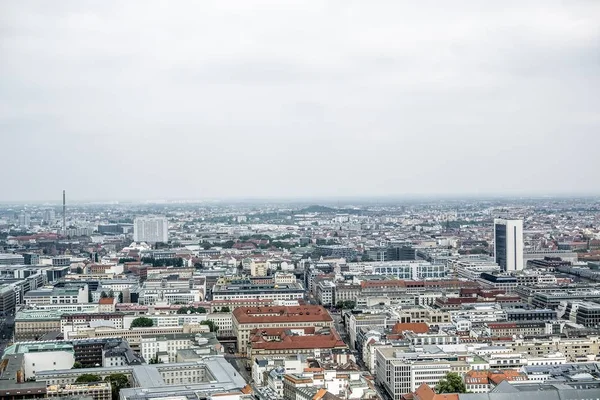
[(246, 319), (508, 244), (151, 229), (11, 259)]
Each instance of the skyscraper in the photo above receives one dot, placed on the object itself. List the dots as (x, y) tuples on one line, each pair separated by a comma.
[(508, 244), (150, 229)]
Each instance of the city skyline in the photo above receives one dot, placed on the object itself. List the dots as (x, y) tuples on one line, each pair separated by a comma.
[(265, 100)]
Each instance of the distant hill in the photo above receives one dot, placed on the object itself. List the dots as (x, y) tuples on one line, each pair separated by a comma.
[(318, 209)]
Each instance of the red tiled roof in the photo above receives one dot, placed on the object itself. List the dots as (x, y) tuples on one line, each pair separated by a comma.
[(268, 314), (418, 327)]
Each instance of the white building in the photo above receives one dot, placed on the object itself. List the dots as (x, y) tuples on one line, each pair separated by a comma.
[(508, 244), (151, 229), (166, 346)]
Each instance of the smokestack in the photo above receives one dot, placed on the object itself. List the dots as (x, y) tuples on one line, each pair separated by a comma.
[(64, 214)]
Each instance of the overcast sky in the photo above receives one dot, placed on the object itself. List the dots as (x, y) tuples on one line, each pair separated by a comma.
[(218, 99)]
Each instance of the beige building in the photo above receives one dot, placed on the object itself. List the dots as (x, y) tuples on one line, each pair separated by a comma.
[(33, 324), (246, 319), (574, 349), (97, 391)]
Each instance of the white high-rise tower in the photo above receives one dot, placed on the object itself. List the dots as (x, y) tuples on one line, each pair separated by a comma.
[(508, 244), (151, 229)]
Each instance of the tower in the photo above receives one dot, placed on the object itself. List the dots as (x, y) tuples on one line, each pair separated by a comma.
[(508, 244), (64, 214)]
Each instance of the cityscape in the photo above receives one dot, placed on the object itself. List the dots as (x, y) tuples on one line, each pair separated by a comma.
[(415, 299), (300, 200)]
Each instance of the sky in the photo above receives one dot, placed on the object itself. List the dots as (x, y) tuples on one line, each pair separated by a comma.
[(285, 99)]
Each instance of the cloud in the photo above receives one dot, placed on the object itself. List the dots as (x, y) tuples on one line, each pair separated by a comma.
[(265, 98)]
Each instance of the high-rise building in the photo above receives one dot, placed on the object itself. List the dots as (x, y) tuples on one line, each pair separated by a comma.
[(24, 219), (49, 215), (508, 244), (151, 229)]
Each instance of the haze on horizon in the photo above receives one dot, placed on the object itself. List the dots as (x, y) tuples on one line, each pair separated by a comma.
[(271, 99)]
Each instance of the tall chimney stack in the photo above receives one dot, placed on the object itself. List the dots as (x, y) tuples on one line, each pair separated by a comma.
[(64, 214)]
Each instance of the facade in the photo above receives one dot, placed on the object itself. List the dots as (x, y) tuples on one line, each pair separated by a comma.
[(166, 345), (97, 391), (279, 342), (246, 319), (267, 291), (508, 244), (11, 259), (66, 295), (151, 229), (33, 324)]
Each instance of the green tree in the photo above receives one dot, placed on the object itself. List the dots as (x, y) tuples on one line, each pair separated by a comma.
[(211, 325), (103, 294), (142, 322), (206, 246), (452, 383), (120, 297), (192, 310), (88, 378), (346, 305), (79, 270), (225, 309), (77, 365), (117, 382), (111, 294)]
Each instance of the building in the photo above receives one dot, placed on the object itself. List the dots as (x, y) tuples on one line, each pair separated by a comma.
[(400, 373), (42, 356), (11, 259), (164, 348), (508, 244), (246, 319), (96, 390), (208, 377), (278, 342), (67, 295), (33, 324), (151, 229), (244, 289)]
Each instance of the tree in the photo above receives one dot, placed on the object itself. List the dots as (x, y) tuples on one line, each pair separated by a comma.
[(103, 295), (206, 246), (191, 310), (225, 309), (120, 297), (79, 270), (346, 305), (211, 325), (142, 322), (87, 378), (452, 383), (77, 365), (117, 382), (111, 294)]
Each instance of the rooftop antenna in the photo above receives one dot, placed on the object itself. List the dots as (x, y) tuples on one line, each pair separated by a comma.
[(64, 214)]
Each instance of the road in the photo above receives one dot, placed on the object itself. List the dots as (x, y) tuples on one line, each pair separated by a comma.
[(239, 363)]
